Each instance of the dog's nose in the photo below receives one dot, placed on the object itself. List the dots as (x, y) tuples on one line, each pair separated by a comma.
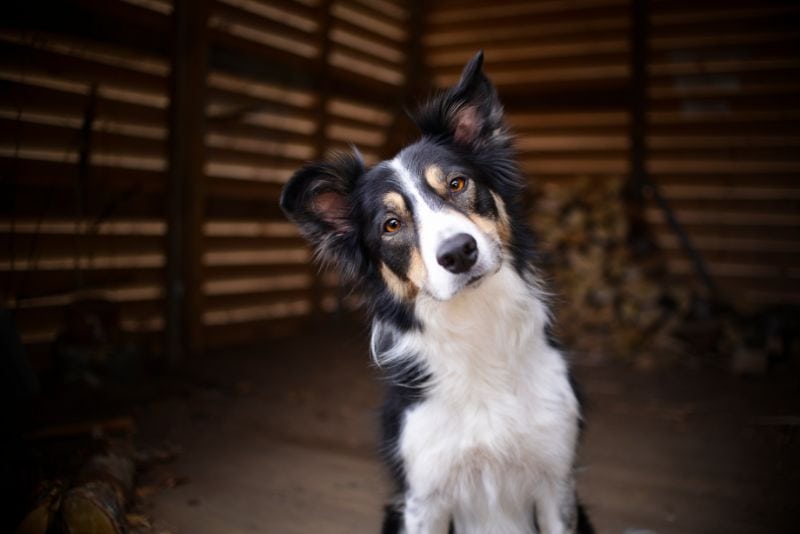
[(458, 253)]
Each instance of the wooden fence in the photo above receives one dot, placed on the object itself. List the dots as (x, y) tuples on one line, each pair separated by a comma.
[(96, 167)]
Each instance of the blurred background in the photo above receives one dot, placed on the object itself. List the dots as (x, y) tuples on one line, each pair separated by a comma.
[(173, 361)]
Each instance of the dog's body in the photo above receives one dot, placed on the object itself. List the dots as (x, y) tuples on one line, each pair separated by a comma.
[(481, 422)]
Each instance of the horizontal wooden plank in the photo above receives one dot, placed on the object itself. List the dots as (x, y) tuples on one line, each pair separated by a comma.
[(762, 192), (52, 173), (230, 12), (562, 48), (62, 65), (245, 157), (765, 221), (275, 256), (775, 259), (521, 33), (564, 143), (51, 137), (367, 32), (733, 244), (366, 67), (261, 311), (34, 98), (356, 42), (596, 166), (251, 190), (539, 13), (37, 244), (121, 23), (711, 41), (58, 201), (362, 16), (223, 302), (728, 228), (236, 272), (730, 141), (717, 166), (44, 282), (789, 275), (213, 243), (592, 77)]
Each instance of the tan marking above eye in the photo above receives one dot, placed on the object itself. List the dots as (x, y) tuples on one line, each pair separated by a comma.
[(435, 178), (394, 202)]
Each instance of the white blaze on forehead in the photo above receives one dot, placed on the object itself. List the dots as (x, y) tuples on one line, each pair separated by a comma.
[(434, 226)]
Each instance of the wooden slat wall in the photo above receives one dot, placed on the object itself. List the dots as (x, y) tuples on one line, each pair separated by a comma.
[(69, 230), (723, 115), (262, 128), (288, 81), (724, 140), (535, 50)]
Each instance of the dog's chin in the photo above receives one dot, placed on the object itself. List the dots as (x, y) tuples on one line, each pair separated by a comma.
[(464, 283)]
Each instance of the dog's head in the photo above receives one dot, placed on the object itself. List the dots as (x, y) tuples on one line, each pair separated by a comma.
[(435, 219)]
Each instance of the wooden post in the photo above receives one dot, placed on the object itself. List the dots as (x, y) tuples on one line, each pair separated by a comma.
[(634, 192), (186, 188), (640, 184), (320, 140)]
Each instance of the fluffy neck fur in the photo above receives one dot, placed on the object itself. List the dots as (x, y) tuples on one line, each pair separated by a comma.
[(479, 338)]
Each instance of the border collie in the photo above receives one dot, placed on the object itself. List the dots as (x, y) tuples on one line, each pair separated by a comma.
[(481, 422)]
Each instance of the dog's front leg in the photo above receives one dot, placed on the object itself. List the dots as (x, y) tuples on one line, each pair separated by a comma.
[(425, 515), (556, 507)]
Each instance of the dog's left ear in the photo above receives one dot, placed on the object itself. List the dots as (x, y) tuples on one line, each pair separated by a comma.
[(468, 114)]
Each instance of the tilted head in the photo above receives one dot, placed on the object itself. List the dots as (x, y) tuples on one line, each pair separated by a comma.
[(435, 220)]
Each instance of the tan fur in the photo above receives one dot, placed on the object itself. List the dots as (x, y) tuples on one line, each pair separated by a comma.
[(395, 203), (435, 179), (503, 222), (398, 287), (416, 269)]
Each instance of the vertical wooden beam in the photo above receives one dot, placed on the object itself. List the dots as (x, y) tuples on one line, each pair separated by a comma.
[(640, 184), (416, 82), (637, 130), (320, 140), (186, 188)]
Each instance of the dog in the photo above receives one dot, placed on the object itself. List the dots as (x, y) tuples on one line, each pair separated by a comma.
[(481, 422)]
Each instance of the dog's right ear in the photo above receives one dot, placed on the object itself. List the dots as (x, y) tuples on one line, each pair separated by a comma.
[(318, 199)]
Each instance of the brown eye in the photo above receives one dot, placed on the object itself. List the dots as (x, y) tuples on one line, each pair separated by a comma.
[(391, 226), (457, 184)]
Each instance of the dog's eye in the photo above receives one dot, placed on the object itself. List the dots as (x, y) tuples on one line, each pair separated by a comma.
[(457, 184), (391, 225)]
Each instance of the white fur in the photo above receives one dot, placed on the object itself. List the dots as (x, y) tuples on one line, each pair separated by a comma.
[(434, 226), (494, 438)]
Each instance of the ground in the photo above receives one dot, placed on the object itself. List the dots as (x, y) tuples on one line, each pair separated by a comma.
[(282, 439)]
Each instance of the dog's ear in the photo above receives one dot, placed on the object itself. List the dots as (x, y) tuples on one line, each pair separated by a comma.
[(318, 199), (469, 114)]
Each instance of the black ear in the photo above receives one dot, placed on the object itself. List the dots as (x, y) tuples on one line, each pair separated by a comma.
[(469, 114), (318, 199)]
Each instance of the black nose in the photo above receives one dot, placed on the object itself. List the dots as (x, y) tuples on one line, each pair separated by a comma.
[(458, 253)]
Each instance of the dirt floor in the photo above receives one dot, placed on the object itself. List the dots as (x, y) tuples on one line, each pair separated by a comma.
[(282, 439)]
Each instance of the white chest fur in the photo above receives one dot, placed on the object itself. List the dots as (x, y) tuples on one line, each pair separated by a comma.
[(499, 421)]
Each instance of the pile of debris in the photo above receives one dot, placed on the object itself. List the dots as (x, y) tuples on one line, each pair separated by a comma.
[(611, 303), (607, 303)]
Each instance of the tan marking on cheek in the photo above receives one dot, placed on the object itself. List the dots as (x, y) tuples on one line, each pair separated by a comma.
[(503, 222), (416, 269), (398, 287), (395, 202), (435, 178), (486, 225)]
